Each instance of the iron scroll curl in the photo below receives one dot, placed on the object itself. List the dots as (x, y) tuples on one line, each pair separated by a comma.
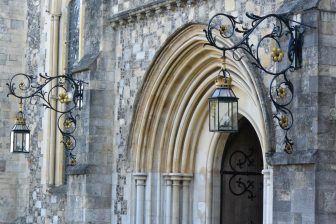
[(283, 41)]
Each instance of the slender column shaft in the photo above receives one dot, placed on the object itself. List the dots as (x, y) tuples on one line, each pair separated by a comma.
[(168, 202), (140, 180), (176, 201), (268, 196), (148, 200), (59, 152), (185, 205), (53, 63)]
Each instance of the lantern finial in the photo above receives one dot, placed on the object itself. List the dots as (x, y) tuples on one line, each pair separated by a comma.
[(20, 118), (224, 78), (223, 81)]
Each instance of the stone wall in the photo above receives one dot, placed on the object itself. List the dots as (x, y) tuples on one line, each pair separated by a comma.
[(90, 182), (141, 35), (24, 197), (14, 172), (326, 142), (294, 179)]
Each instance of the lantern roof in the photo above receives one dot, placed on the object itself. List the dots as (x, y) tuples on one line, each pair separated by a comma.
[(223, 93), (20, 123)]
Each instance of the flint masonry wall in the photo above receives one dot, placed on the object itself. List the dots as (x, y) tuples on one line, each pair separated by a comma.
[(23, 197), (326, 160), (90, 183), (294, 175), (13, 168), (138, 39)]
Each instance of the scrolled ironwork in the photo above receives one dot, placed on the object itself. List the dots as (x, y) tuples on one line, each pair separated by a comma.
[(244, 186), (285, 52), (237, 184), (63, 89)]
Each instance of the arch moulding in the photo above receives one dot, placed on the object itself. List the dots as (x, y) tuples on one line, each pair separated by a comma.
[(170, 122)]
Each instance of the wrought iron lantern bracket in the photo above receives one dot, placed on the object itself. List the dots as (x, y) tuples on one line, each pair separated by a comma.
[(283, 43), (62, 94)]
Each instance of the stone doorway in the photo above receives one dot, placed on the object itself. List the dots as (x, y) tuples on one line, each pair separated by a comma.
[(241, 178)]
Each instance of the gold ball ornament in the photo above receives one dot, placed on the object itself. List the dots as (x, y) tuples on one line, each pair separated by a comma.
[(277, 54), (289, 148), (64, 97), (222, 29), (68, 144), (282, 92), (73, 162), (67, 123), (283, 122)]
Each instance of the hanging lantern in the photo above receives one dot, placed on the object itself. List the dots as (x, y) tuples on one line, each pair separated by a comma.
[(20, 134), (223, 105)]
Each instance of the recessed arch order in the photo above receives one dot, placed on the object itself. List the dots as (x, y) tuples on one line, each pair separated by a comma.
[(170, 120)]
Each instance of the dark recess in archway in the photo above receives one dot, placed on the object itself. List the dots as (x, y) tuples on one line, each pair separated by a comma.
[(241, 178)]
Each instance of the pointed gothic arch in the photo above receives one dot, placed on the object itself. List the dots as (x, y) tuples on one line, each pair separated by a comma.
[(169, 136), (172, 103)]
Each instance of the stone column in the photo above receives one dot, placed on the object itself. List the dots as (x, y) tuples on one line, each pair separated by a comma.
[(176, 199), (185, 205), (168, 200), (268, 196), (140, 182)]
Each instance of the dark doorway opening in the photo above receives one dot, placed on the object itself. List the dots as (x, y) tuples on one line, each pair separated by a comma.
[(241, 178)]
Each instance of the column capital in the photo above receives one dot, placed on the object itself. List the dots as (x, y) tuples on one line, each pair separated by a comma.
[(187, 176), (140, 178), (140, 175), (176, 177), (176, 182), (179, 176)]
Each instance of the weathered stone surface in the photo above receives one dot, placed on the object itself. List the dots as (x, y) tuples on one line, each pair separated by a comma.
[(298, 157), (294, 6), (85, 63), (2, 165)]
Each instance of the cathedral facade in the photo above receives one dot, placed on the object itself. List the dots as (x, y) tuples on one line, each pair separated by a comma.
[(143, 150)]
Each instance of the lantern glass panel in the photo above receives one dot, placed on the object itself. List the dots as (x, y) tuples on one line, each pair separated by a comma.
[(27, 142), (20, 142), (235, 116), (225, 115), (213, 111), (12, 141)]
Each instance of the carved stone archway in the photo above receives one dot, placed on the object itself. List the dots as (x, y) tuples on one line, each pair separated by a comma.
[(170, 140)]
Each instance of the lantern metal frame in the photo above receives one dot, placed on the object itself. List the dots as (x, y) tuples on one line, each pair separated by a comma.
[(20, 128), (63, 89), (224, 94), (284, 30)]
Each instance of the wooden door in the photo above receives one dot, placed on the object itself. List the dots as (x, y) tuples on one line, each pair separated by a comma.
[(241, 178)]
